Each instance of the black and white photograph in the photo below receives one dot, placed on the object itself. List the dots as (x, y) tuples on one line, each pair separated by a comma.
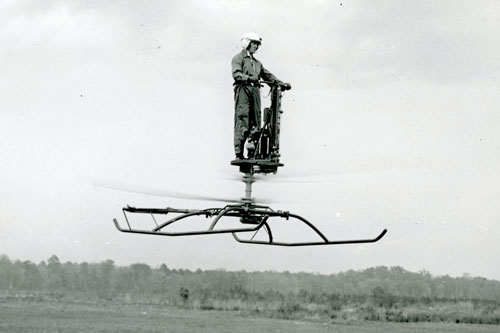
[(249, 166)]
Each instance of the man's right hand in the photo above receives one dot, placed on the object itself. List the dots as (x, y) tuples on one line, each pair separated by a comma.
[(286, 86)]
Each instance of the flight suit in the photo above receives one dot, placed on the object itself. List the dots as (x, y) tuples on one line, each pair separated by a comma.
[(246, 72)]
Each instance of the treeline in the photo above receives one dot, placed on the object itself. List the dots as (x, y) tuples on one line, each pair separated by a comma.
[(105, 279), (379, 293)]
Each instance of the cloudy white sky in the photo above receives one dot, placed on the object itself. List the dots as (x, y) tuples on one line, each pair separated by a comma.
[(393, 114)]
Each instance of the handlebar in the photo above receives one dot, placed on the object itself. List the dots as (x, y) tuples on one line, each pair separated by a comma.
[(259, 83), (282, 85)]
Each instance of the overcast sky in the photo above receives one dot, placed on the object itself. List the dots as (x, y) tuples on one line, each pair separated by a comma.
[(394, 116)]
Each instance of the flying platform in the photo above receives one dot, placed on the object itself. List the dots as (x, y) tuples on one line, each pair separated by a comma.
[(249, 216)]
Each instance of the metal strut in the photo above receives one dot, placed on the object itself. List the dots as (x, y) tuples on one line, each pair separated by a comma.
[(248, 179)]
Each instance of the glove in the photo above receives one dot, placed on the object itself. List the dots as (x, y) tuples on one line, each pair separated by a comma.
[(286, 86)]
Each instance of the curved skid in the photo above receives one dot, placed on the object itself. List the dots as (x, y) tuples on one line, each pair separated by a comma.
[(325, 242), (217, 213), (186, 233)]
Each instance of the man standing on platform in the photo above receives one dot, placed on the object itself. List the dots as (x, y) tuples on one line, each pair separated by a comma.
[(247, 71)]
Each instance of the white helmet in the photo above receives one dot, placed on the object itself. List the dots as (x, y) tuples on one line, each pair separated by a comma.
[(250, 37)]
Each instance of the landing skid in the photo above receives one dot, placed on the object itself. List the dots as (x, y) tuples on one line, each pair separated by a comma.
[(160, 229), (254, 215), (324, 242)]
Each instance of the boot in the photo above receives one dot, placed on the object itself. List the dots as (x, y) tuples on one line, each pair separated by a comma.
[(239, 156)]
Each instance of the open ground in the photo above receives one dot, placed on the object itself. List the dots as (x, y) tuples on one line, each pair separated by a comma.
[(51, 316)]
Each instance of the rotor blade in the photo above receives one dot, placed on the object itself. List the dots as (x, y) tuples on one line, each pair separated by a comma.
[(161, 193)]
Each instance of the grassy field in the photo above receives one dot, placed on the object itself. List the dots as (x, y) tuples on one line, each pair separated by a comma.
[(52, 316)]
